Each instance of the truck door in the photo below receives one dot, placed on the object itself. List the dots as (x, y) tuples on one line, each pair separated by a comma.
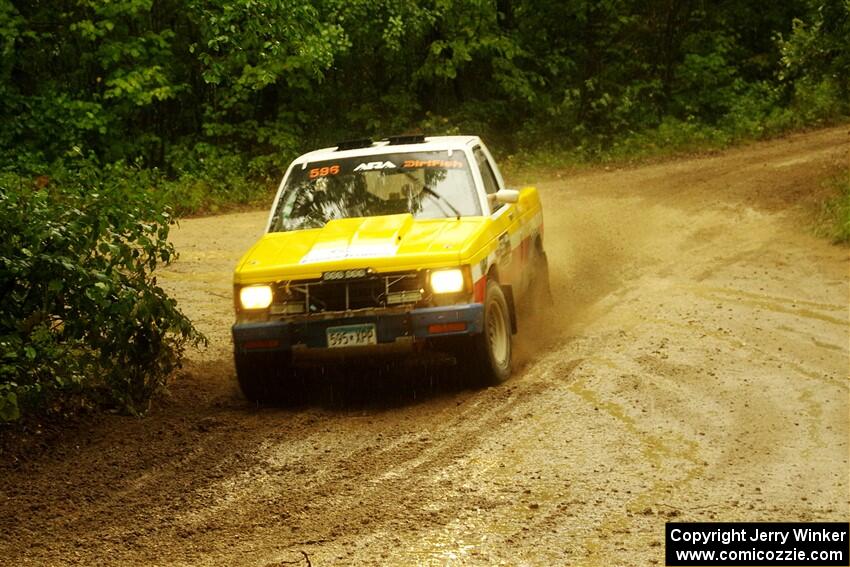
[(509, 253)]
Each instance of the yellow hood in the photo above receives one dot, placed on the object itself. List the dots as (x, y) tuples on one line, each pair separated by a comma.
[(387, 243)]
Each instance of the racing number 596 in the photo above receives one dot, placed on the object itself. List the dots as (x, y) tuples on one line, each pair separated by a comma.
[(324, 171)]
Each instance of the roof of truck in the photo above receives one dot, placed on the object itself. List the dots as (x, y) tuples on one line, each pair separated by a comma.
[(430, 144)]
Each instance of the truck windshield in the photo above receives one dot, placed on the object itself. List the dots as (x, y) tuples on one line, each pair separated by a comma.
[(425, 184)]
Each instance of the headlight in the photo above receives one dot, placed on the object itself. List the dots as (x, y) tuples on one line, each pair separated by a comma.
[(255, 296), (447, 281)]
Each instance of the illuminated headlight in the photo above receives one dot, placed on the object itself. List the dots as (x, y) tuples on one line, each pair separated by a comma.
[(255, 296), (447, 281)]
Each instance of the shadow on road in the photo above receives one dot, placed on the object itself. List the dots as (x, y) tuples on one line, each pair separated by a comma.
[(374, 387)]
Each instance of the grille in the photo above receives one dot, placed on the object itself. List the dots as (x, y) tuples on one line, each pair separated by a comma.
[(364, 293)]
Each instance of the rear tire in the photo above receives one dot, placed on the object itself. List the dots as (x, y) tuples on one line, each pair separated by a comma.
[(265, 377), (488, 358)]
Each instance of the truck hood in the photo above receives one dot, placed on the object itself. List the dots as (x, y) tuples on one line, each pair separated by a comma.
[(387, 243)]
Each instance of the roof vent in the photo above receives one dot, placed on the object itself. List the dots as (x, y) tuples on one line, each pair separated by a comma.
[(410, 139), (353, 144)]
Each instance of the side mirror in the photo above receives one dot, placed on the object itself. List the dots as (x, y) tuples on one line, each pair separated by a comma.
[(504, 196)]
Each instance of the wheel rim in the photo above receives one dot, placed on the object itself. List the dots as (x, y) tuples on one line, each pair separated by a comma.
[(497, 332)]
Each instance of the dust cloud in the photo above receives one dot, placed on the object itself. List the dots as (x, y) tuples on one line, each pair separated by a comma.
[(593, 246)]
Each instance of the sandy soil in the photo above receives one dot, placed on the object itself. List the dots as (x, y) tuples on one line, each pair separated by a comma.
[(696, 368)]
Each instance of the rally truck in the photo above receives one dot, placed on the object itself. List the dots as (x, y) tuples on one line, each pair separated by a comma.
[(400, 247)]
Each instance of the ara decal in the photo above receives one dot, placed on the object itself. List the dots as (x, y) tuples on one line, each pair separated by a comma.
[(373, 165)]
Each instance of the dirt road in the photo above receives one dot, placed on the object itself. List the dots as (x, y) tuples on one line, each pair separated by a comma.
[(696, 368)]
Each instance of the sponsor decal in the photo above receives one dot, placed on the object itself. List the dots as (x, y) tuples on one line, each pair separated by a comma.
[(350, 252), (504, 249), (375, 165), (433, 163)]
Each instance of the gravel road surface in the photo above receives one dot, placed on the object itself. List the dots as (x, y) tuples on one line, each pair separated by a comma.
[(695, 368)]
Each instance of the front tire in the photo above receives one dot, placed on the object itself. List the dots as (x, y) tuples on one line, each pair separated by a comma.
[(488, 359), (265, 377)]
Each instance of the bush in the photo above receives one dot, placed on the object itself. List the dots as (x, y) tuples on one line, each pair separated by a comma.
[(207, 178), (80, 311)]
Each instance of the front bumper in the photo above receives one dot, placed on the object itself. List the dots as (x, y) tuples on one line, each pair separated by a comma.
[(394, 330)]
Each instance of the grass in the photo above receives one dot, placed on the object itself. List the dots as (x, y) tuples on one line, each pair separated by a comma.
[(834, 218), (751, 116)]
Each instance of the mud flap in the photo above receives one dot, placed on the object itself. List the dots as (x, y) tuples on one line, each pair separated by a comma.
[(508, 290)]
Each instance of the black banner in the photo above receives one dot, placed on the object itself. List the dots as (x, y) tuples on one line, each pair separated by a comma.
[(757, 543)]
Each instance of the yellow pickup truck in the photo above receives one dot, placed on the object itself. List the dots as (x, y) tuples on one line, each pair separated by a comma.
[(406, 245)]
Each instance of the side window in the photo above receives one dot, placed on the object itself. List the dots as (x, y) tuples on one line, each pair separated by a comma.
[(490, 183)]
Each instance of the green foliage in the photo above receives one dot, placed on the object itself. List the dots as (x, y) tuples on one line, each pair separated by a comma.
[(218, 95), (815, 62), (208, 178), (81, 311), (818, 46)]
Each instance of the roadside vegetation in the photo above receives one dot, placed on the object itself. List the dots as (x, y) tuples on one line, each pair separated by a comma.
[(834, 222), (82, 320), (214, 97), (118, 115)]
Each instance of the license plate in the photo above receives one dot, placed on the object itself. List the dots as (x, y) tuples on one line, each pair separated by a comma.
[(351, 335)]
